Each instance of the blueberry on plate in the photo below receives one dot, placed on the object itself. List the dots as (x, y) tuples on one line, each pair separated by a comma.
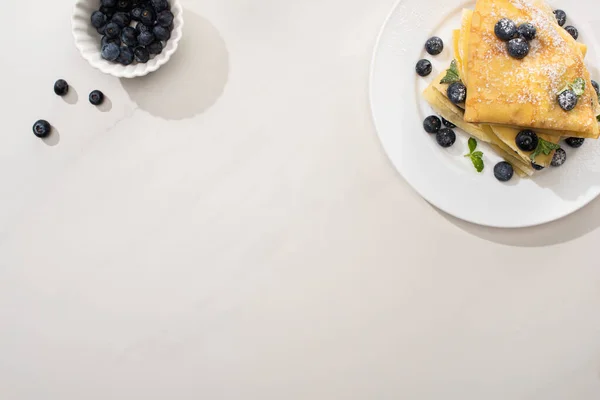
[(61, 87), (41, 128), (560, 156), (96, 97), (140, 27), (148, 17), (527, 31), (432, 124), (129, 36), (527, 140), (536, 166), (145, 38), (505, 29), (136, 13), (155, 48), (447, 123), (423, 67), (122, 19), (596, 87), (123, 5), (160, 5), (110, 51), (433, 46), (109, 3), (561, 17), (112, 30), (445, 137), (161, 33), (126, 56), (518, 48), (98, 19), (457, 93), (567, 100), (165, 18), (106, 40), (572, 31), (574, 142), (141, 54), (503, 171)]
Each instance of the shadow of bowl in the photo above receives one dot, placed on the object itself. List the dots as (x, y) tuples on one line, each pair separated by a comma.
[(192, 81)]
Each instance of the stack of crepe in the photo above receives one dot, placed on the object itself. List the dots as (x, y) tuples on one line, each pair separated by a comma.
[(506, 95)]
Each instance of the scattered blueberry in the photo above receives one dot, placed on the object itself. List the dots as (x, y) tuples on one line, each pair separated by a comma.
[(567, 100), (518, 48), (123, 5), (136, 13), (423, 67), (96, 97), (503, 171), (141, 54), (110, 51), (536, 166), (561, 17), (126, 56), (41, 128), (106, 40), (129, 36), (572, 31), (527, 31), (596, 87), (148, 17), (145, 38), (109, 3), (155, 48), (505, 29), (61, 87), (98, 19), (160, 5), (527, 140), (560, 156), (122, 19), (112, 30), (457, 93), (432, 124), (574, 142), (161, 33), (445, 137), (142, 28), (433, 46), (448, 124)]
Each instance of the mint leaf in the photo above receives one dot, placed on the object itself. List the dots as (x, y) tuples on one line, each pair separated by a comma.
[(477, 154), (472, 145), (477, 163), (543, 147), (578, 87), (451, 74)]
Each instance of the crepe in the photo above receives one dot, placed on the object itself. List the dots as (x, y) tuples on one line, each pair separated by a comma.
[(508, 92)]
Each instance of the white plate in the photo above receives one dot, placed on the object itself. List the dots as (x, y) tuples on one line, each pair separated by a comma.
[(443, 176)]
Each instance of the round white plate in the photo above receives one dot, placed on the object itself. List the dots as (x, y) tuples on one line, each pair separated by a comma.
[(444, 177)]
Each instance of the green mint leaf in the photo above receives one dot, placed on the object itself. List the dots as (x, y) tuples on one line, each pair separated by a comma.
[(543, 147), (472, 145), (578, 87), (477, 154), (477, 163), (451, 74)]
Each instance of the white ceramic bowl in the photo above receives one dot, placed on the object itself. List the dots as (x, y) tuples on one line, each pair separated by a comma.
[(87, 41)]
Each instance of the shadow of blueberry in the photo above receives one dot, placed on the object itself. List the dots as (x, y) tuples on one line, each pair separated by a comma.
[(71, 97), (53, 138)]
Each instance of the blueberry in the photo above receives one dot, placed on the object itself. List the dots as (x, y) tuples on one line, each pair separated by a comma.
[(122, 19), (433, 46), (505, 29), (110, 51), (572, 31), (123, 5), (518, 48), (112, 30), (574, 142), (142, 28), (457, 93), (527, 140), (567, 100), (148, 17), (61, 87), (126, 56), (106, 40), (161, 33), (41, 128), (503, 171), (129, 36), (445, 137), (537, 167), (527, 31), (145, 38), (432, 124), (165, 18), (109, 12), (109, 3), (136, 13), (596, 87), (141, 54), (423, 67), (448, 124), (101, 30), (559, 158), (98, 19), (160, 5), (561, 17), (96, 97), (155, 48)]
